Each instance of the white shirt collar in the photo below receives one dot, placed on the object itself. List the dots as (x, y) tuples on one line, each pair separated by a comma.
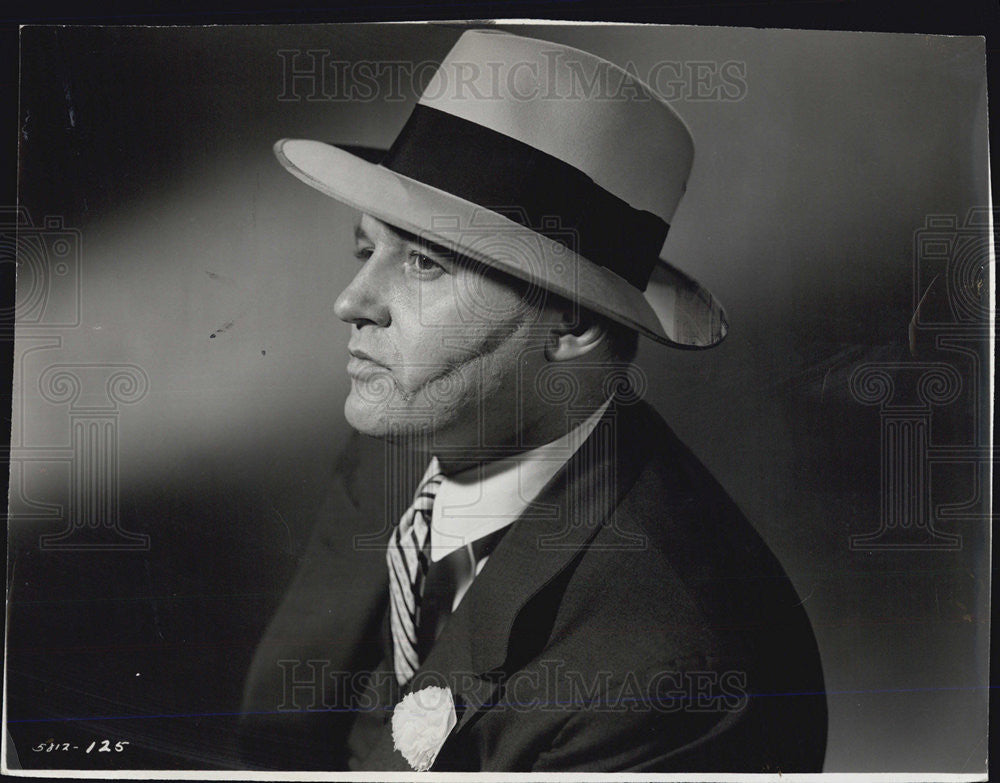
[(486, 498)]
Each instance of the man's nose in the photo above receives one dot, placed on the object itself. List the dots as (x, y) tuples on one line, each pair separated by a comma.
[(363, 301)]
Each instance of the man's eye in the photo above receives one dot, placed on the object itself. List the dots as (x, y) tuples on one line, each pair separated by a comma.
[(423, 263), (363, 253)]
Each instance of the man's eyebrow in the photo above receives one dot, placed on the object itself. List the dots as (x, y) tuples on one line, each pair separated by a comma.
[(360, 235), (424, 242), (434, 247)]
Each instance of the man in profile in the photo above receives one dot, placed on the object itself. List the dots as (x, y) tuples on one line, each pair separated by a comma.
[(529, 572)]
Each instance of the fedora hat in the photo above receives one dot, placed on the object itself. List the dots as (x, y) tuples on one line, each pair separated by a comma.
[(543, 161)]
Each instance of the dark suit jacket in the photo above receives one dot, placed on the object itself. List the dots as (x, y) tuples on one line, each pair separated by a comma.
[(631, 619)]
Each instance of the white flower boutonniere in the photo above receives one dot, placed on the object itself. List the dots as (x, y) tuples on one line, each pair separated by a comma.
[(421, 723)]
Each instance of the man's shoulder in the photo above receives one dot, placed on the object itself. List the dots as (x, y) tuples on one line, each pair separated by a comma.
[(676, 565), (671, 500), (664, 465), (678, 596)]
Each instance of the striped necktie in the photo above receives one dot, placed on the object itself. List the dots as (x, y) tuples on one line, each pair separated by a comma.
[(408, 557)]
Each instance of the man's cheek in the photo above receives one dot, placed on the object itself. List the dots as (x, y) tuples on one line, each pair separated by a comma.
[(371, 397)]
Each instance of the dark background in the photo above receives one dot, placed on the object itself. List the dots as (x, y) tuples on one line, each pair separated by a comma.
[(801, 217)]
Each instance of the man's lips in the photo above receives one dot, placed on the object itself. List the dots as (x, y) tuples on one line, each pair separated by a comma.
[(361, 365)]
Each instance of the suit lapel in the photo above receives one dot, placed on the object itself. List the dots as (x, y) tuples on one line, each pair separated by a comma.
[(348, 547), (322, 633), (476, 646), (560, 522), (356, 538), (450, 657), (556, 527)]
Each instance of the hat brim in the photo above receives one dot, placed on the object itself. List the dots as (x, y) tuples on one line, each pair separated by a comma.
[(674, 309)]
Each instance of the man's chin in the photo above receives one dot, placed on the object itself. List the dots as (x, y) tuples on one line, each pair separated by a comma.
[(375, 421), (364, 418)]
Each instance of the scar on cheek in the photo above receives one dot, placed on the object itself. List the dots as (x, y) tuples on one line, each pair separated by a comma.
[(489, 345)]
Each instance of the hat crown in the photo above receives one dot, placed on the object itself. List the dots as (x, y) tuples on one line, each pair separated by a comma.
[(573, 105)]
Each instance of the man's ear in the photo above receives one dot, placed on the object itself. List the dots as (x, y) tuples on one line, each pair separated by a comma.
[(575, 336)]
